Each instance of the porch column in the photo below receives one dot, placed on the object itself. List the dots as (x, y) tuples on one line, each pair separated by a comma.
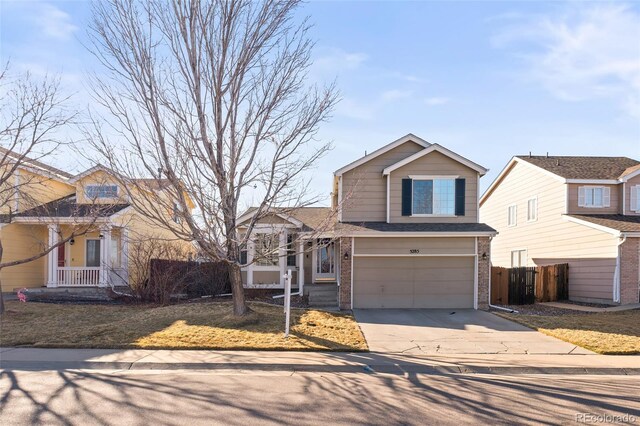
[(301, 267), (105, 255), (282, 256), (124, 253), (52, 256), (250, 254)]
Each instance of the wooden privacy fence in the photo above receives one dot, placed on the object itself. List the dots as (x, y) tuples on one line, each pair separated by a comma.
[(526, 285)]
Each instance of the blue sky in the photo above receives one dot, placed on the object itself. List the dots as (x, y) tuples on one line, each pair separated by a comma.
[(488, 80)]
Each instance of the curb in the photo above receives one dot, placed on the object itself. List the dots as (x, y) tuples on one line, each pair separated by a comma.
[(319, 368)]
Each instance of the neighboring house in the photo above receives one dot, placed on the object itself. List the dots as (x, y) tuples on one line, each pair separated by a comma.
[(584, 211), (49, 204), (402, 232)]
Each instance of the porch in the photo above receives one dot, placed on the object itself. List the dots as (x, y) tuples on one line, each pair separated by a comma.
[(95, 259), (312, 261)]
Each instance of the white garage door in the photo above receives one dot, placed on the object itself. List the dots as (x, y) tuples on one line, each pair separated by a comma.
[(413, 282)]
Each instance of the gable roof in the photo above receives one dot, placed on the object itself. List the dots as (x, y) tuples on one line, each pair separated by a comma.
[(67, 207), (407, 138), (90, 171), (440, 149), (36, 165), (574, 167), (614, 222)]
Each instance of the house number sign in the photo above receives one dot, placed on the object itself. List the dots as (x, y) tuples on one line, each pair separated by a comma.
[(414, 251)]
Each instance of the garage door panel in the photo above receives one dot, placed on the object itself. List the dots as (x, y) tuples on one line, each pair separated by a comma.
[(413, 282)]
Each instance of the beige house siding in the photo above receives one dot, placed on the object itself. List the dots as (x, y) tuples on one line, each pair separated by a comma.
[(99, 177), (20, 242), (551, 238), (434, 164), (573, 207), (627, 197), (366, 187)]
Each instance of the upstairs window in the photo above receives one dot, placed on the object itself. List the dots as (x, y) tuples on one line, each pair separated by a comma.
[(512, 215), (434, 197), (177, 218), (635, 199), (101, 191), (594, 196), (532, 210)]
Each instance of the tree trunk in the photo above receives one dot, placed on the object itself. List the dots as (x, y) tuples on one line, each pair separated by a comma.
[(237, 290), (1, 296)]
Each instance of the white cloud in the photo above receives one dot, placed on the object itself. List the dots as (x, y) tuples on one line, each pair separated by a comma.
[(337, 59), (350, 108), (436, 100), (395, 95), (53, 22), (586, 53)]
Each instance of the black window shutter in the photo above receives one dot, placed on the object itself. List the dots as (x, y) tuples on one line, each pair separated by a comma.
[(460, 191), (243, 257), (406, 197)]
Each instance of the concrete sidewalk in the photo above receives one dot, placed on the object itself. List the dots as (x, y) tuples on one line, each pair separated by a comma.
[(137, 359), (584, 308)]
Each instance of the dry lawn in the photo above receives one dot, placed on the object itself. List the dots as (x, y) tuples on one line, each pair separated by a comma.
[(613, 333), (187, 326)]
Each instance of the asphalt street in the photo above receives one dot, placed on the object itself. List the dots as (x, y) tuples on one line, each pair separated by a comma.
[(237, 397)]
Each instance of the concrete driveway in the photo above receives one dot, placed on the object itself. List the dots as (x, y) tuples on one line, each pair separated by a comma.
[(453, 331)]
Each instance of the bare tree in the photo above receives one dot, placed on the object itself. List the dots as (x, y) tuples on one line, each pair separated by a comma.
[(212, 98), (30, 114)]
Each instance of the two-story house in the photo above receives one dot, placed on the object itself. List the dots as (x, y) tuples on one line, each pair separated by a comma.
[(405, 234), (584, 211), (49, 205)]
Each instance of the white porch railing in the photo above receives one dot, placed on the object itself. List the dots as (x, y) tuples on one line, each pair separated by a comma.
[(78, 276)]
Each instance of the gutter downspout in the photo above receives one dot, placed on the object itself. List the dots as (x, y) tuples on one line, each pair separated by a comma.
[(513, 311), (617, 274)]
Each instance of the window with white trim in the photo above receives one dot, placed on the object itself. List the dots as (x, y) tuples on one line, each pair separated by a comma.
[(634, 205), (512, 215), (518, 258), (434, 197), (266, 249), (101, 191), (594, 196), (532, 209)]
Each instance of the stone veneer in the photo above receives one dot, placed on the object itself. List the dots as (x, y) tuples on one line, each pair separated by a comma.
[(629, 274), (484, 272), (344, 291)]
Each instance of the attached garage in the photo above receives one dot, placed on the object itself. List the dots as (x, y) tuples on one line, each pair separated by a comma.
[(414, 273)]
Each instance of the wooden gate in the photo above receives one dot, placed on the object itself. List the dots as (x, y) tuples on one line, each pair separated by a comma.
[(522, 286), (552, 283)]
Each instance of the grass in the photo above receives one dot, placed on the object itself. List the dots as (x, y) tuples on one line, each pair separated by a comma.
[(611, 333), (186, 326)]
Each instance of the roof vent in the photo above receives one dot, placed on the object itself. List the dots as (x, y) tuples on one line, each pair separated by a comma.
[(547, 154), (529, 154), (557, 161)]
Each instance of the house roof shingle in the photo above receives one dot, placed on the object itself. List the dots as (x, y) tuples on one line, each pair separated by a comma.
[(30, 162), (614, 221), (362, 227), (324, 219), (68, 207), (573, 167)]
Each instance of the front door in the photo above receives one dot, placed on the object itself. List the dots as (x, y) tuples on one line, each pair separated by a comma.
[(325, 262), (61, 256)]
